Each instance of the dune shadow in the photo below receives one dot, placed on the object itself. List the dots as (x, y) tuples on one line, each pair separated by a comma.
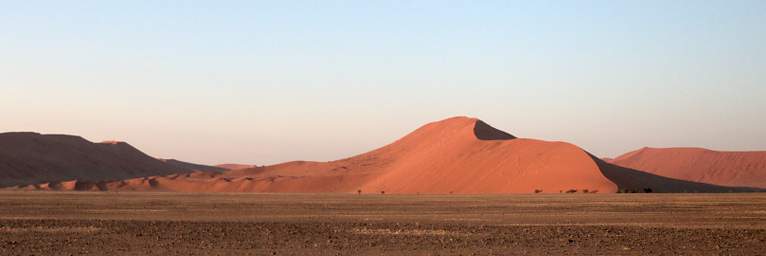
[(483, 131), (628, 179)]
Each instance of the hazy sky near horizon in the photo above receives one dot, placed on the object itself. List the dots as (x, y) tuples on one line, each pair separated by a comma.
[(269, 81)]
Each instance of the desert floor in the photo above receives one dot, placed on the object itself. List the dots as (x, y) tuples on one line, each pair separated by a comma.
[(91, 223)]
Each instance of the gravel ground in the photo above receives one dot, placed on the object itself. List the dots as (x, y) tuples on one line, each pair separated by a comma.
[(35, 223)]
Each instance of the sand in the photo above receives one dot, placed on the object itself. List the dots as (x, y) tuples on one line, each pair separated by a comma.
[(458, 155), (235, 166), (746, 169), (32, 158)]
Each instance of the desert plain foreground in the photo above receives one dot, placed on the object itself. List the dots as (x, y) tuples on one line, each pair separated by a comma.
[(143, 223)]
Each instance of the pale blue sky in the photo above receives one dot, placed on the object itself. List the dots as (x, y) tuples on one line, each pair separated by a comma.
[(264, 82)]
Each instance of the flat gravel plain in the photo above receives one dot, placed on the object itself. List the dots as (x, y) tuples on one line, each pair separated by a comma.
[(134, 223)]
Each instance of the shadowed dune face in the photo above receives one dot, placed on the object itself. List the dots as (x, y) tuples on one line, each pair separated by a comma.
[(700, 165), (484, 131), (31, 158)]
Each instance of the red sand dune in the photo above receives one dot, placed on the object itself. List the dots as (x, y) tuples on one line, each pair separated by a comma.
[(32, 158), (746, 169), (457, 155), (235, 166), (181, 165)]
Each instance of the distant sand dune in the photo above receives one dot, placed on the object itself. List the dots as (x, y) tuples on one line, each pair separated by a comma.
[(458, 155), (235, 166), (701, 165), (32, 158)]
